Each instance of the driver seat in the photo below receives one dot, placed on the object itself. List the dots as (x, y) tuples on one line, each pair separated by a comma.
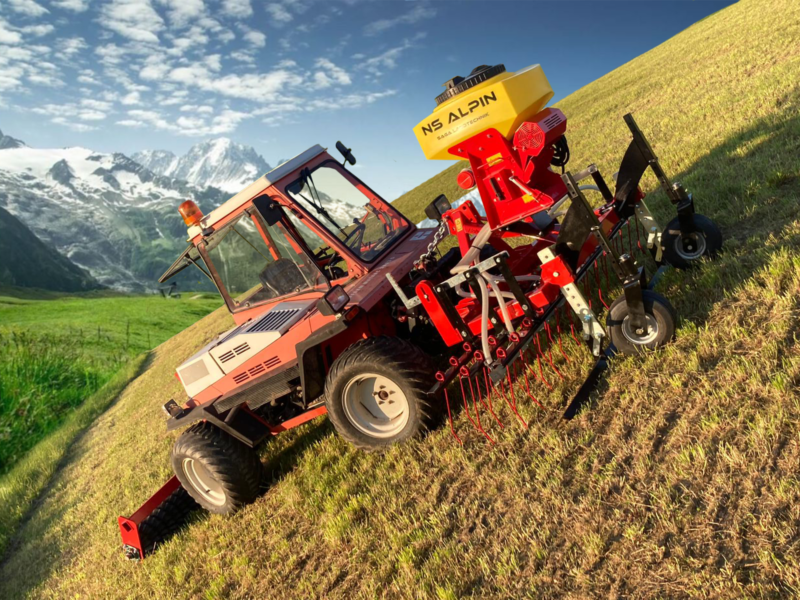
[(282, 277)]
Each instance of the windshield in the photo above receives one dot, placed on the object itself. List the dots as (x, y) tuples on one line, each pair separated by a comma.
[(346, 211), (253, 270)]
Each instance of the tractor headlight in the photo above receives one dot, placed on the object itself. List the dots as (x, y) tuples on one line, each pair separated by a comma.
[(333, 301)]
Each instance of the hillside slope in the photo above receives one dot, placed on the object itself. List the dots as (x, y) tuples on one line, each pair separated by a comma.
[(680, 481), (26, 261)]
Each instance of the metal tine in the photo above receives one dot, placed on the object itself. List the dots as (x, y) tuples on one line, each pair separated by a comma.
[(479, 359), (539, 362), (512, 403), (558, 331), (477, 394), (464, 374), (489, 396), (464, 395), (550, 350), (440, 378), (599, 286)]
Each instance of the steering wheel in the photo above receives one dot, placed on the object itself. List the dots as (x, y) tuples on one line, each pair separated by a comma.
[(322, 253), (360, 228)]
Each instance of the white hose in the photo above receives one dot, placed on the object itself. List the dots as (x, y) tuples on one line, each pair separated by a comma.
[(501, 301), (485, 322)]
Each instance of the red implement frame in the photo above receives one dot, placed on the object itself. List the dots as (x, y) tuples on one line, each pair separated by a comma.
[(129, 526)]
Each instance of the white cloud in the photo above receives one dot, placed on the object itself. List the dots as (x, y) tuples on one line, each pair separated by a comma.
[(181, 12), (388, 59), (96, 104), (242, 56), (70, 46), (7, 34), (10, 77), (28, 7), (131, 98), (134, 19), (38, 30), (237, 8), (154, 71), (72, 116), (259, 87), (415, 15), (330, 75), (79, 127), (193, 126), (131, 123), (73, 5), (204, 109), (256, 38), (279, 13), (348, 101)]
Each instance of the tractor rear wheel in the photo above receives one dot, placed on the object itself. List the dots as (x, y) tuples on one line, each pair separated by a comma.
[(684, 252), (376, 392), (218, 471)]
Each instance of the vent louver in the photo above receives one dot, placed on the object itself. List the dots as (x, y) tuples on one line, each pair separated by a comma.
[(235, 352), (273, 320)]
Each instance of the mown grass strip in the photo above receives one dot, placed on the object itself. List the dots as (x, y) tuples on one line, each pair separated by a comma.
[(20, 486)]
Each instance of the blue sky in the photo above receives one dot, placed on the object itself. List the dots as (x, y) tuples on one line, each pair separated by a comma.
[(282, 75)]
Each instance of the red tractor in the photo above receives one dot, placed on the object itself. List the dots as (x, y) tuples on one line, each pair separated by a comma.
[(342, 306)]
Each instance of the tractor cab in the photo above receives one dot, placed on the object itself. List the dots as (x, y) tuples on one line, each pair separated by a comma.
[(295, 233)]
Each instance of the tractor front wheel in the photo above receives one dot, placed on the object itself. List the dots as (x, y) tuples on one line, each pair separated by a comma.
[(660, 317), (376, 392), (218, 471), (683, 252)]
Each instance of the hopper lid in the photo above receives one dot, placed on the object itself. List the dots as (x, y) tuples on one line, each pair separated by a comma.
[(459, 84)]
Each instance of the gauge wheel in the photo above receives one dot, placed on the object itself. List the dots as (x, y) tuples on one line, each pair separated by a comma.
[(376, 393), (660, 329), (683, 252), (219, 472)]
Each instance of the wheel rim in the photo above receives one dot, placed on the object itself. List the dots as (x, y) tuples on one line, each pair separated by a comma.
[(695, 240), (203, 482), (375, 405), (650, 336)]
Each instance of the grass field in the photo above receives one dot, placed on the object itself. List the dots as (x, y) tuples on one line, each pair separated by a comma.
[(63, 359), (55, 350), (680, 481)]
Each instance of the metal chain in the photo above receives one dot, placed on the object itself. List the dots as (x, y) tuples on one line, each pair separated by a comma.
[(437, 237)]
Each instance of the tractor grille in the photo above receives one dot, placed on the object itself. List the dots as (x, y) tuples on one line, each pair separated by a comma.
[(261, 393), (257, 370), (273, 320), (235, 352)]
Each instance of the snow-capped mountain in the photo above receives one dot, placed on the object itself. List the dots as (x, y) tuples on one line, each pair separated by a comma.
[(6, 141), (218, 163), (105, 212)]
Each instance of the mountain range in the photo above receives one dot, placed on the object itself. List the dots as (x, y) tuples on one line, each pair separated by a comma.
[(116, 217), (218, 163), (28, 262), (106, 213)]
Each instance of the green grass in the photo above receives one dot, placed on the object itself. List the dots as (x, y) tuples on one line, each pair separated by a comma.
[(681, 480), (23, 483), (56, 351)]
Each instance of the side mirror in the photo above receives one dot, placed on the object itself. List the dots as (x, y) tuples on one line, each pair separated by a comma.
[(437, 208), (346, 153), (269, 209)]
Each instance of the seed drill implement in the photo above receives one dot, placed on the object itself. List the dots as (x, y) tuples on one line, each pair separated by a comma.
[(342, 306)]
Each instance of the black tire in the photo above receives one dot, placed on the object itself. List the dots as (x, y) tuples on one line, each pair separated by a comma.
[(410, 372), (232, 470), (163, 522), (684, 254), (661, 324)]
